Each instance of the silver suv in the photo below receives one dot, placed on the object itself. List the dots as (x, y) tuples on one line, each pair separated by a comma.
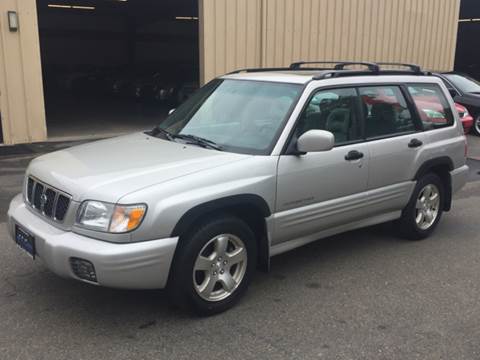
[(254, 164)]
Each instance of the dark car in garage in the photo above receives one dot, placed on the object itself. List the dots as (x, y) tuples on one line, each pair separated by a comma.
[(465, 91)]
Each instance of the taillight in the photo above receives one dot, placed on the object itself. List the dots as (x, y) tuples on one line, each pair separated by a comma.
[(462, 110)]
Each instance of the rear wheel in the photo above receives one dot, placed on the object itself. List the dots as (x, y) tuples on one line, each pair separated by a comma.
[(214, 266), (424, 210)]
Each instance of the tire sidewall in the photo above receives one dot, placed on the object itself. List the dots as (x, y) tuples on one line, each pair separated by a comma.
[(182, 277), (476, 125)]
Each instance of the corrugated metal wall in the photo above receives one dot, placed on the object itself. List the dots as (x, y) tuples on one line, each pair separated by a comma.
[(230, 35), (283, 31), (249, 33), (21, 89)]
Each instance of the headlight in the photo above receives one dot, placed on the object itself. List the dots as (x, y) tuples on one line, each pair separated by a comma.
[(100, 216)]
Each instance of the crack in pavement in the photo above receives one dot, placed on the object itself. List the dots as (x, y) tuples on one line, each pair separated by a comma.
[(12, 286)]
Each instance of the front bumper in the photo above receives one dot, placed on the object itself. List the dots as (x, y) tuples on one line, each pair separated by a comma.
[(142, 265)]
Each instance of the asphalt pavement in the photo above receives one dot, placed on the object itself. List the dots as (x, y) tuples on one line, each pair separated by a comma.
[(361, 295)]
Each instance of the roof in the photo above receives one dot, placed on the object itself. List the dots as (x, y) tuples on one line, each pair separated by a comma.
[(298, 74)]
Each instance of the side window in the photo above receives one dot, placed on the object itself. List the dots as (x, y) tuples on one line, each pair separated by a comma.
[(386, 111), (333, 110), (432, 105)]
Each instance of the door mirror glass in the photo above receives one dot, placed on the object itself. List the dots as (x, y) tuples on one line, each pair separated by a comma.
[(171, 111), (315, 141)]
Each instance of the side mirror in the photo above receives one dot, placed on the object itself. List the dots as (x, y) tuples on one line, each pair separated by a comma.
[(315, 141), (171, 111)]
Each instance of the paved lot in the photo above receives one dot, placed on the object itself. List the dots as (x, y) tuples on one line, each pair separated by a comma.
[(361, 295)]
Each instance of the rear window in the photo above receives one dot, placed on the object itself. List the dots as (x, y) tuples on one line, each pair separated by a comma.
[(433, 107), (386, 111)]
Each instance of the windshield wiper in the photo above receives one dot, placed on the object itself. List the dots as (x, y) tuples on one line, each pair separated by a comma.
[(158, 130), (197, 140)]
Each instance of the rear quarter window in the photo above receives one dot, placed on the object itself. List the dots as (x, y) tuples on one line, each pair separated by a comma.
[(432, 106)]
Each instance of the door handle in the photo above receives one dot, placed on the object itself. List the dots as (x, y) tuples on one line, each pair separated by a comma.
[(414, 143), (353, 155)]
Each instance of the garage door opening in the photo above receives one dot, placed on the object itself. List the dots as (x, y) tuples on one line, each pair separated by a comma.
[(115, 66), (467, 53)]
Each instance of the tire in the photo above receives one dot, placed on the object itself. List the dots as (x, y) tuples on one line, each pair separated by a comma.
[(431, 211), (476, 125), (201, 261)]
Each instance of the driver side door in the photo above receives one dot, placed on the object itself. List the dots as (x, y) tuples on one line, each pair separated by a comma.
[(320, 190)]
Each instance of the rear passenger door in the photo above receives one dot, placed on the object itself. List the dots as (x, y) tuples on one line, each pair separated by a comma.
[(396, 139)]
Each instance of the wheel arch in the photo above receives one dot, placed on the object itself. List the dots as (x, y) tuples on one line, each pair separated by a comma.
[(251, 208), (440, 166)]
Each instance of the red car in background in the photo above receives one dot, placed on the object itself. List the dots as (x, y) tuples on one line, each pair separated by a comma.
[(431, 110), (430, 113), (467, 119)]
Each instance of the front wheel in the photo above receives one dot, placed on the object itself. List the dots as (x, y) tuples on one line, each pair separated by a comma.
[(424, 210), (214, 266)]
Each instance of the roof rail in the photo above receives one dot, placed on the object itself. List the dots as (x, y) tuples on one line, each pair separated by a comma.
[(298, 65), (340, 69), (258, 70), (413, 67), (339, 65), (343, 73)]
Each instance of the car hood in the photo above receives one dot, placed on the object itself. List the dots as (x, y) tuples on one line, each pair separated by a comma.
[(468, 99), (109, 169)]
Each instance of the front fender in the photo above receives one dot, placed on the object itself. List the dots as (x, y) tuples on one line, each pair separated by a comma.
[(253, 180)]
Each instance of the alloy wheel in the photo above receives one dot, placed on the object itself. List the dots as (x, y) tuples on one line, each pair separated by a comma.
[(220, 267), (427, 206)]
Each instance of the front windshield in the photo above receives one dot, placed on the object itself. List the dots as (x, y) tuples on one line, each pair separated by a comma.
[(464, 83), (241, 116)]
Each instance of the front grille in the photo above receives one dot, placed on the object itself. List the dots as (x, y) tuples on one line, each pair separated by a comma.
[(37, 195), (47, 200), (50, 202), (62, 207), (30, 188)]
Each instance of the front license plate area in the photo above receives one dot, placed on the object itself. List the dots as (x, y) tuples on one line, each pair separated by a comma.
[(25, 241)]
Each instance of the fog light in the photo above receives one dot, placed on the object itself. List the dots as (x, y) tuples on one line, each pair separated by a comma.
[(84, 269)]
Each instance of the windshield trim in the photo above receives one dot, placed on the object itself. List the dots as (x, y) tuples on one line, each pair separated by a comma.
[(275, 138)]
